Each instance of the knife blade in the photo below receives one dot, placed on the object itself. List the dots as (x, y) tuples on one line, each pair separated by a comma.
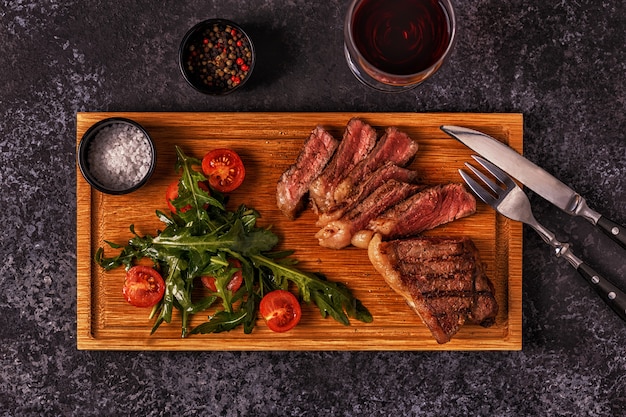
[(535, 178)]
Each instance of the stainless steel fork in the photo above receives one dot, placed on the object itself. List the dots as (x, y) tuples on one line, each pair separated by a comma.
[(507, 198)]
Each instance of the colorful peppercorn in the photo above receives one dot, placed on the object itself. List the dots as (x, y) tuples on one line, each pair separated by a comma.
[(219, 58)]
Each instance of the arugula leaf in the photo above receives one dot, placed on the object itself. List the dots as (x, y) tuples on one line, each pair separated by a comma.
[(222, 321), (235, 239), (191, 195), (331, 298)]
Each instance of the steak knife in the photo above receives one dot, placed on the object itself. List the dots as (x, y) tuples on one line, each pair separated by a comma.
[(535, 178)]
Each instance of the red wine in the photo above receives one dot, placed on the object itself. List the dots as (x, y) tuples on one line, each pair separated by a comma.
[(401, 37)]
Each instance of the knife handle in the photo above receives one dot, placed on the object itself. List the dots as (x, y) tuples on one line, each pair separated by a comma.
[(614, 230), (613, 296)]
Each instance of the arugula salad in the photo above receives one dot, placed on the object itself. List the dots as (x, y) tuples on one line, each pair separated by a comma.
[(203, 243)]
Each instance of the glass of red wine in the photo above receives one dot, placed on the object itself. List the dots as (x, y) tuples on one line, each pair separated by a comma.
[(395, 45)]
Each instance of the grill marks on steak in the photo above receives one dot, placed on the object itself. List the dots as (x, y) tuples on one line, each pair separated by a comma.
[(425, 210), (358, 140), (293, 185), (442, 280)]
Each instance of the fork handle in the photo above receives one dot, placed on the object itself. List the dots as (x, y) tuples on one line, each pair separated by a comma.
[(613, 296)]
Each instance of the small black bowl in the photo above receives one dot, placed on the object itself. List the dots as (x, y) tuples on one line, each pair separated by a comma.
[(216, 57), (116, 156)]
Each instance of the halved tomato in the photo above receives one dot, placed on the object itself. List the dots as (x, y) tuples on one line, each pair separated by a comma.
[(171, 193), (143, 286), (281, 310), (233, 284), (224, 169)]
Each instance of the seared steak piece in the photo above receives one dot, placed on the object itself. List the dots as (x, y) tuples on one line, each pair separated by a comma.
[(394, 146), (389, 171), (425, 210), (442, 280), (338, 233), (294, 183), (358, 140)]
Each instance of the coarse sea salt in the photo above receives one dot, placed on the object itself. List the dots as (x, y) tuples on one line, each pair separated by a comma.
[(119, 157)]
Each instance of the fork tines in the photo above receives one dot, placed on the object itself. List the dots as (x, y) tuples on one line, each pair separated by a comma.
[(501, 176)]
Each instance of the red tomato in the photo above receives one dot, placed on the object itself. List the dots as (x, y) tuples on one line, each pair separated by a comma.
[(235, 281), (224, 169), (281, 310), (172, 193), (143, 286)]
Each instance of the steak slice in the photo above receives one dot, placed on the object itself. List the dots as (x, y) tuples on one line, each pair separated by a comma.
[(441, 279), (394, 147), (358, 140), (338, 234), (425, 210), (294, 183), (389, 171)]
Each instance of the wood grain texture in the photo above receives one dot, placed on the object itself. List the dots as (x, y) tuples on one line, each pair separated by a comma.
[(268, 144)]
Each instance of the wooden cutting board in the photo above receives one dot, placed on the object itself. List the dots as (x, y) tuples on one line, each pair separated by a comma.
[(268, 144)]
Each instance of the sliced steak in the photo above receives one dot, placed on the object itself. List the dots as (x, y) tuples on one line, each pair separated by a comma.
[(338, 233), (389, 171), (358, 140), (294, 183), (442, 280), (425, 210), (393, 147)]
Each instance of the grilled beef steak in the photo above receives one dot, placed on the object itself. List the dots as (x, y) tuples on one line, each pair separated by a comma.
[(442, 280), (393, 147), (358, 140), (425, 210), (364, 195), (337, 234), (388, 171), (293, 185)]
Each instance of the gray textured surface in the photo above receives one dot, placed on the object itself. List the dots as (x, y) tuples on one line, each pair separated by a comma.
[(563, 64)]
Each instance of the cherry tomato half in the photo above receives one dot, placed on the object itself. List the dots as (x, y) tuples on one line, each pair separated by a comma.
[(224, 169), (281, 310), (143, 286), (235, 281), (171, 193)]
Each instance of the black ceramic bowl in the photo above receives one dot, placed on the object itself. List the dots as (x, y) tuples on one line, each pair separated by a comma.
[(216, 57), (116, 156)]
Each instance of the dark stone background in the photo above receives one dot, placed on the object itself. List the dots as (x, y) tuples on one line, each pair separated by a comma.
[(562, 64)]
